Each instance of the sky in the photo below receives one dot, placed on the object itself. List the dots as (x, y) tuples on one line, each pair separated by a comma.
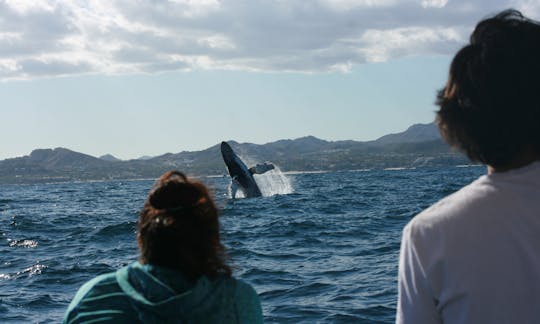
[(133, 77)]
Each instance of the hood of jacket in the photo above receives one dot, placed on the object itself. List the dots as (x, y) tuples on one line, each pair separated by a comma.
[(164, 295)]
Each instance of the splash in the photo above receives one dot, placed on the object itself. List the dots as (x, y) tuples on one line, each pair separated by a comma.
[(239, 192), (271, 183), (274, 182)]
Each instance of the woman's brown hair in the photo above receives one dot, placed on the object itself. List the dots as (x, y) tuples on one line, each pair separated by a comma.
[(179, 228)]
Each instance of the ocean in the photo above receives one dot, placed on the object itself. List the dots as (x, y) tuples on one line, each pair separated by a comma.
[(318, 248)]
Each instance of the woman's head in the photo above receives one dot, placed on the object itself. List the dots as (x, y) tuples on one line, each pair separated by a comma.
[(489, 108), (179, 228)]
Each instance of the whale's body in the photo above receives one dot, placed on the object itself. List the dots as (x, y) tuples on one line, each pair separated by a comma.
[(237, 168)]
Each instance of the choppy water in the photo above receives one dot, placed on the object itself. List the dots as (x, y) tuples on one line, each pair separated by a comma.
[(326, 252)]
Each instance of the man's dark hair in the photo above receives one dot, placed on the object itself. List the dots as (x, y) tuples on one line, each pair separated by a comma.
[(179, 228), (490, 106)]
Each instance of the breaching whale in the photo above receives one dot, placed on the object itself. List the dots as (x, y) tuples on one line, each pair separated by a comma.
[(239, 171)]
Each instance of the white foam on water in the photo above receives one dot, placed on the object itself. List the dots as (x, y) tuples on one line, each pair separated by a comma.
[(399, 168), (23, 243), (306, 172), (33, 270)]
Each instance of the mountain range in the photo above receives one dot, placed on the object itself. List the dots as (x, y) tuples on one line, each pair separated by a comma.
[(418, 146)]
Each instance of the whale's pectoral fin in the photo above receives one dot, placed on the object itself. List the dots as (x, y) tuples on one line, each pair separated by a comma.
[(261, 168)]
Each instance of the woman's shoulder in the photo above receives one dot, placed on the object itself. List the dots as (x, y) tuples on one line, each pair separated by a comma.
[(93, 296), (247, 302), (236, 286), (244, 290), (102, 283)]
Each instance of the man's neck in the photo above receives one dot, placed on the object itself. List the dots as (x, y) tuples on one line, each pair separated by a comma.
[(526, 157)]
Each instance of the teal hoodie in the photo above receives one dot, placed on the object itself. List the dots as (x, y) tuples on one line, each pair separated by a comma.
[(151, 294)]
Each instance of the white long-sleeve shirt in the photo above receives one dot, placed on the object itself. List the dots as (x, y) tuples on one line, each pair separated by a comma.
[(474, 257)]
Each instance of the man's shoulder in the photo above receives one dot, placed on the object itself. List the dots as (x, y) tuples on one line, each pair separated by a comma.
[(455, 208)]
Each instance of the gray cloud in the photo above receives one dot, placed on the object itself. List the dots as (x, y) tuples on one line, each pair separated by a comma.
[(32, 67), (64, 37)]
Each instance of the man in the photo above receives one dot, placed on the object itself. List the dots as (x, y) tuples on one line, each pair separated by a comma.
[(474, 257)]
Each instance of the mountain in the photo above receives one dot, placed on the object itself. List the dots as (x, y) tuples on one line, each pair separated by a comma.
[(414, 134), (54, 159), (418, 146), (110, 158)]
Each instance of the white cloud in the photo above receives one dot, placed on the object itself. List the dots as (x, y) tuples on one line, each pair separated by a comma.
[(434, 3), (8, 37), (197, 8), (63, 37), (381, 45), (351, 4), (8, 66), (217, 42), (25, 6), (532, 7)]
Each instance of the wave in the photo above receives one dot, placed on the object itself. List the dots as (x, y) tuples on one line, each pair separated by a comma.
[(111, 231), (399, 168)]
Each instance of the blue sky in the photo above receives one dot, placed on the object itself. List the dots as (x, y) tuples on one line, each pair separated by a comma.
[(136, 78)]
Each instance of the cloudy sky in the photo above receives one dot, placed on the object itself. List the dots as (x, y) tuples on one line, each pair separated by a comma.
[(133, 78)]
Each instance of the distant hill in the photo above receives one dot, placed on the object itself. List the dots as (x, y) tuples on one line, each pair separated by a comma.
[(55, 158), (110, 158), (414, 134), (418, 146)]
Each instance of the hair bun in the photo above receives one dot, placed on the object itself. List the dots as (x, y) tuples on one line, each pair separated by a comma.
[(174, 193)]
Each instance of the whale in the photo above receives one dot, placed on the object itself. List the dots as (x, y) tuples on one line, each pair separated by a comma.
[(241, 173)]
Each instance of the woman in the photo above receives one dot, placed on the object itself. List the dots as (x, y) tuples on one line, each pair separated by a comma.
[(182, 276)]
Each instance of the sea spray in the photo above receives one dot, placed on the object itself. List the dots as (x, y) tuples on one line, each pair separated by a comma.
[(239, 192), (274, 183), (271, 183)]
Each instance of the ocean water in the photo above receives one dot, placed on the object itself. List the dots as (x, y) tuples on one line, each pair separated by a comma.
[(320, 248)]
